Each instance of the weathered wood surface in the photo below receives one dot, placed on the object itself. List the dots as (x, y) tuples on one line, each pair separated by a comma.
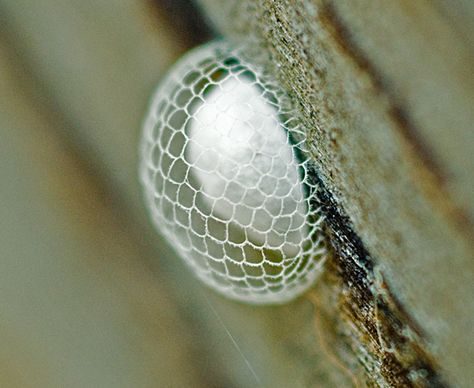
[(386, 92), (91, 296)]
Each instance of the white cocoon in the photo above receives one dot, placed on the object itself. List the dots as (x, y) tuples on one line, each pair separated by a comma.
[(241, 156)]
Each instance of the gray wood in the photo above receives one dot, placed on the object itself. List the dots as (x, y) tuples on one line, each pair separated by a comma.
[(376, 86), (385, 90)]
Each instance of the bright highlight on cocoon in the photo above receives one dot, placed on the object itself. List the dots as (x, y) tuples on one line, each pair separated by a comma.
[(240, 129), (225, 173)]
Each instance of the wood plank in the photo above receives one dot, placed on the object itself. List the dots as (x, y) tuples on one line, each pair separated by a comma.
[(386, 93)]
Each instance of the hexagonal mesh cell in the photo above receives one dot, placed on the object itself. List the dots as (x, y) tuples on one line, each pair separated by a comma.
[(225, 173)]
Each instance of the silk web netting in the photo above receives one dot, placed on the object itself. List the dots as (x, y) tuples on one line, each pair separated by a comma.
[(225, 171)]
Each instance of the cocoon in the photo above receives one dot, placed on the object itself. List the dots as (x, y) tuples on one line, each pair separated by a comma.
[(225, 175)]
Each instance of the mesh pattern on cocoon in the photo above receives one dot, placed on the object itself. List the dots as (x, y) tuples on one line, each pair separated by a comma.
[(225, 174)]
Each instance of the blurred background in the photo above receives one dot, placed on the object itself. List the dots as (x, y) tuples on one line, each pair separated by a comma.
[(90, 296)]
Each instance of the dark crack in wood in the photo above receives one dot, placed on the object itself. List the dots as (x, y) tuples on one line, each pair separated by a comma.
[(372, 321)]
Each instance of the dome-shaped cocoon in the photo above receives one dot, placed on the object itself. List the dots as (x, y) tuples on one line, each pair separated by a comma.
[(225, 176)]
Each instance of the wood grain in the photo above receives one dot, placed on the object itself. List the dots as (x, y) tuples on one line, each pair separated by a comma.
[(91, 295), (385, 91)]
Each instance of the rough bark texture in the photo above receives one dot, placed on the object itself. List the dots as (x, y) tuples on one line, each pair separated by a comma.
[(386, 92)]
